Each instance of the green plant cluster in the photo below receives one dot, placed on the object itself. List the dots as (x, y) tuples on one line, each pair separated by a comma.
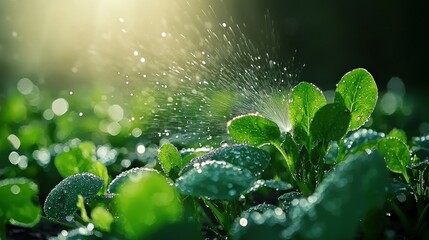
[(328, 178)]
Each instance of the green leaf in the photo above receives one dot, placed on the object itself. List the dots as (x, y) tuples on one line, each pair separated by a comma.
[(399, 134), (339, 203), (305, 100), (147, 203), (245, 156), (18, 202), (102, 218), (186, 229), (330, 123), (274, 184), (361, 139), (357, 91), (81, 206), (78, 160), (287, 199), (264, 221), (215, 180), (100, 170), (396, 154), (125, 176), (61, 201), (253, 129), (169, 157)]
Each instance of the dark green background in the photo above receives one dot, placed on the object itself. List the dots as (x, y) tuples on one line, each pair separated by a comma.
[(388, 37)]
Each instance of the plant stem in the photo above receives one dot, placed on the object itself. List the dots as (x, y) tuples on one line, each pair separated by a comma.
[(291, 167), (219, 216), (289, 162), (213, 225)]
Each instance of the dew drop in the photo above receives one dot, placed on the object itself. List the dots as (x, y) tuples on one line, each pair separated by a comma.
[(243, 222), (15, 189)]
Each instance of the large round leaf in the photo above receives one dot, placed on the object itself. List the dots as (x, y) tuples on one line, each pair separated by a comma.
[(61, 201), (253, 129), (357, 91), (305, 100), (18, 202), (245, 156), (125, 176), (215, 180), (145, 204), (330, 123)]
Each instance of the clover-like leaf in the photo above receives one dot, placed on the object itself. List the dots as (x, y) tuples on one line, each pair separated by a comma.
[(242, 155), (357, 91), (215, 180), (18, 202), (146, 203), (61, 201), (396, 154), (169, 157), (253, 129), (126, 175), (330, 123), (304, 102)]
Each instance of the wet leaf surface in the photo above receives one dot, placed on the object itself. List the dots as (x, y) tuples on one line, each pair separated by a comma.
[(215, 180), (251, 158), (61, 201), (357, 91)]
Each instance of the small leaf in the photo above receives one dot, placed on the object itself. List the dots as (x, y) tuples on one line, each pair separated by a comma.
[(102, 218), (251, 158), (124, 176), (357, 91), (305, 100), (169, 157), (264, 221), (78, 160), (215, 180), (253, 129), (396, 154), (81, 206), (146, 203), (61, 201), (330, 123), (100, 170), (399, 134), (18, 202), (339, 203)]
